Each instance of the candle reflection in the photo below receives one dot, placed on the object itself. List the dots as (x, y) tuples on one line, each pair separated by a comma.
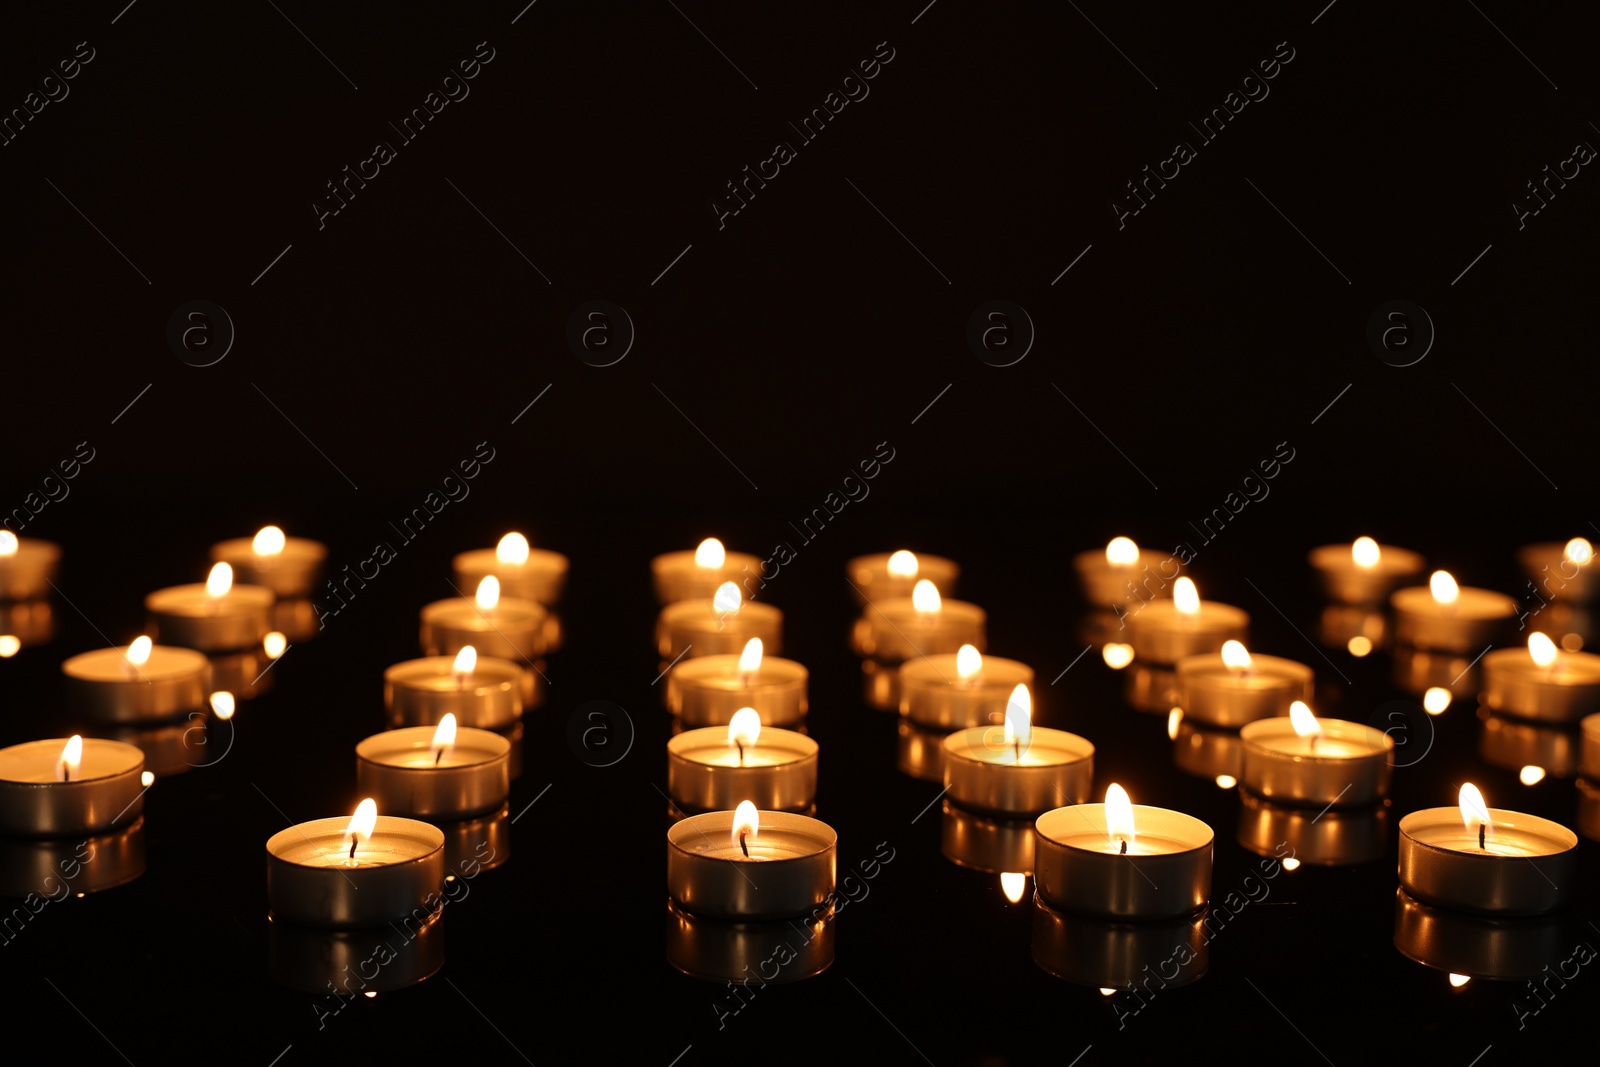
[(1146, 957), (1334, 838), (1475, 946)]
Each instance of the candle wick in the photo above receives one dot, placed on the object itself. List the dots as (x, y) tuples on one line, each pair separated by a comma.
[(741, 763), (1314, 743), (439, 755), (354, 840), (1017, 744), (66, 771), (1481, 829), (1124, 851), (742, 846)]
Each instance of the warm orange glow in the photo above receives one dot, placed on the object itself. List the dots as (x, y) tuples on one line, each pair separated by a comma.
[(925, 598), (1012, 885), (1365, 552), (1119, 815), (1108, 991), (1443, 587), (223, 705), (1122, 552), (744, 728), (1018, 729), (488, 595), (269, 541), (1458, 980), (710, 554), (8, 543), (362, 823), (1359, 645), (512, 549), (146, 779), (444, 738), (1174, 720), (1235, 656), (1226, 781), (969, 661), (466, 662), (1305, 724), (1578, 550), (746, 822), (903, 564), (1436, 700), (726, 600), (1531, 775), (1185, 597), (10, 645), (1291, 864), (750, 658), (71, 756), (1542, 649), (1474, 812), (220, 580), (138, 651), (274, 644), (1117, 655)]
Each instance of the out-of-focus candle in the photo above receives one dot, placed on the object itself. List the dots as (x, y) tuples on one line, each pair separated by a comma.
[(1112, 576), (714, 768), (1560, 571), (889, 575), (1307, 760), (1589, 760), (497, 626), (923, 624), (289, 566), (438, 772), (524, 572), (1542, 682), (1234, 687), (1364, 572), (750, 864), (1166, 631), (722, 625), (217, 616), (478, 690), (1017, 768), (965, 688), (68, 786), (27, 566), (1446, 617), (140, 683), (706, 691), (1481, 859), (695, 575)]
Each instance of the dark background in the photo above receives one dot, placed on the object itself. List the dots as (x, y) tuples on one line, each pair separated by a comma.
[(771, 357)]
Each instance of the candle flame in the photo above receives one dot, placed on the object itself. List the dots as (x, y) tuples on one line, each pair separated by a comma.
[(1012, 884), (488, 595), (750, 658), (1531, 775), (1365, 552), (10, 645), (1235, 656), (903, 564), (746, 820), (269, 541), (362, 823), (71, 757), (1119, 815), (1122, 552), (726, 600), (1117, 655), (1185, 597), (512, 549), (1226, 781), (1578, 550), (274, 644), (465, 663), (219, 581), (444, 738), (1359, 645), (1436, 700), (8, 543), (147, 779), (222, 704), (1018, 729), (1458, 980), (710, 554), (1542, 649), (1291, 863), (925, 598), (138, 651), (1174, 718), (1474, 812), (744, 728), (1305, 724), (1443, 587), (969, 661)]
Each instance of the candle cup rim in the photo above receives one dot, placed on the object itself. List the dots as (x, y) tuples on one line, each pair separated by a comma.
[(1333, 729), (1423, 595), (551, 559), (336, 826), (1200, 665), (1407, 560), (136, 768), (507, 604), (1081, 748), (243, 548), (491, 664), (911, 671), (1519, 657), (682, 827), (695, 666), (1501, 818), (499, 749), (198, 661), (1197, 824), (790, 742), (246, 599)]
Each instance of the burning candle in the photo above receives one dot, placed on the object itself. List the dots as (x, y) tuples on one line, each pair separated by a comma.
[(706, 691), (289, 566), (524, 572), (922, 624), (1364, 572), (479, 691), (1121, 860), (1559, 571), (714, 768), (888, 575), (1113, 576), (1233, 687), (499, 627), (354, 873), (215, 617), (1482, 859), (1542, 682), (1307, 760), (725, 624), (68, 786), (1165, 632), (1017, 768), (141, 683), (1445, 617), (27, 566), (697, 575), (950, 691), (438, 772), (749, 864)]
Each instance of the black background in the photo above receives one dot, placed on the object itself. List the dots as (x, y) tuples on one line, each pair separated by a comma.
[(821, 320)]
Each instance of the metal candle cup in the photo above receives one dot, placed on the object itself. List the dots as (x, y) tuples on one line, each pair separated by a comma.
[(1346, 582), (420, 692), (1105, 583), (1347, 764), (920, 753), (541, 579), (1119, 955), (707, 690), (934, 695), (291, 573), (397, 769), (1528, 866), (1165, 873), (310, 879), (1332, 838), (981, 772), (676, 576), (105, 687), (85, 863), (694, 628), (996, 846), (1211, 692), (189, 616), (894, 630), (721, 951), (1207, 753), (27, 573), (104, 791), (513, 629), (1467, 624), (1554, 576), (790, 869), (31, 622), (1563, 692), (871, 580), (1160, 633), (776, 773), (1476, 946), (1514, 744)]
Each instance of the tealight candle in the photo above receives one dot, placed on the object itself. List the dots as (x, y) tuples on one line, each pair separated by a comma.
[(1364, 572), (1307, 760), (922, 624), (289, 566), (697, 575), (68, 786), (1559, 571), (1121, 860), (745, 864), (707, 690), (692, 628), (1233, 687), (1331, 838), (1531, 749), (887, 575), (526, 573), (1472, 946), (1542, 682), (997, 846), (1445, 617), (720, 951), (1121, 956), (499, 627), (714, 768), (949, 691), (86, 863), (1589, 760), (342, 963), (354, 873), (27, 566), (1017, 768), (140, 683), (435, 772), (477, 690), (1166, 632), (1482, 859), (1417, 672), (24, 624), (1205, 752), (215, 617), (1112, 576)]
